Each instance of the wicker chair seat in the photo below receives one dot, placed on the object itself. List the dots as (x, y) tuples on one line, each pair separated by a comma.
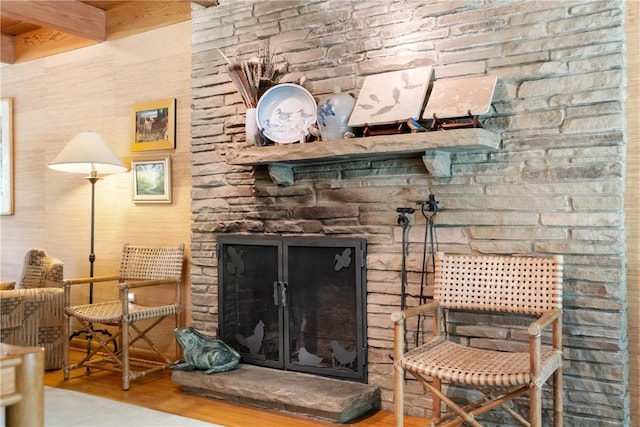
[(459, 364), (110, 312)]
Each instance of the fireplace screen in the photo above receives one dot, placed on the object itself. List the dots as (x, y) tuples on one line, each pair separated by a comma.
[(295, 303)]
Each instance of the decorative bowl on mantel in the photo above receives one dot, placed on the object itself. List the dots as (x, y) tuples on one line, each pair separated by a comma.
[(285, 112)]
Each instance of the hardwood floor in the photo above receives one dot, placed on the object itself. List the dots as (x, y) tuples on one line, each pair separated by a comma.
[(158, 392)]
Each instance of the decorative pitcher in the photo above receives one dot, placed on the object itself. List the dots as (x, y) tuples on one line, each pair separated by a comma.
[(333, 115)]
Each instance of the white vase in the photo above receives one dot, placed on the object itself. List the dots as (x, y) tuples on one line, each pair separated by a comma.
[(333, 115), (251, 126)]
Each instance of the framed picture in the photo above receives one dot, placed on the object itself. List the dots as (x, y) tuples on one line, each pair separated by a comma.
[(151, 180), (153, 125), (6, 156)]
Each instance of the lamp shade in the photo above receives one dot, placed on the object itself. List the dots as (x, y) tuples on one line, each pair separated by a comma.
[(86, 152)]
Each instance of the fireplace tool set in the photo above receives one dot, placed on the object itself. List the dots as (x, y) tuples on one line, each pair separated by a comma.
[(429, 209)]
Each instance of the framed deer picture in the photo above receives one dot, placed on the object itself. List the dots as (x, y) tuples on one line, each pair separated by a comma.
[(153, 125)]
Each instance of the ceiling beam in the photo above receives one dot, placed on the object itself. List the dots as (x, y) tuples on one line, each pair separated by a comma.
[(45, 42), (138, 16), (67, 16), (7, 49)]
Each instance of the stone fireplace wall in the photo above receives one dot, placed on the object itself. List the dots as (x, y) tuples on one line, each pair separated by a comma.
[(555, 186)]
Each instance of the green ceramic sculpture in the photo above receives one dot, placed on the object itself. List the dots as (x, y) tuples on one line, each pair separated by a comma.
[(204, 353)]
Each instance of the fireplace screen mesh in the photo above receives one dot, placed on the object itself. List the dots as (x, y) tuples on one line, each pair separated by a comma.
[(295, 303)]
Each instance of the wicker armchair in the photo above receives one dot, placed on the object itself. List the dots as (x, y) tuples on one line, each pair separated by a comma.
[(140, 267), (31, 308), (513, 285)]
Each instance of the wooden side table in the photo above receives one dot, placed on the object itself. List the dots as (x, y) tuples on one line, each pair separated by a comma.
[(22, 385)]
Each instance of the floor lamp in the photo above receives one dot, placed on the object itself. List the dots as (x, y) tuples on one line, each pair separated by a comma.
[(88, 152)]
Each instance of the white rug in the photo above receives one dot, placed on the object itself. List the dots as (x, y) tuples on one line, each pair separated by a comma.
[(66, 408)]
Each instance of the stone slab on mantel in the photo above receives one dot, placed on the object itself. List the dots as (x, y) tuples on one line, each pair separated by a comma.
[(307, 395), (453, 140)]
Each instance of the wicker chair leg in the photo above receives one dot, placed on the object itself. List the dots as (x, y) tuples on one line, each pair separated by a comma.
[(66, 334), (398, 394), (66, 347), (398, 373), (557, 398), (535, 405), (125, 355), (437, 406)]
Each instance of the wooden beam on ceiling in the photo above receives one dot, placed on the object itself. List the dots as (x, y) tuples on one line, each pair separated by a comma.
[(7, 49), (139, 16), (35, 29), (66, 16), (45, 42)]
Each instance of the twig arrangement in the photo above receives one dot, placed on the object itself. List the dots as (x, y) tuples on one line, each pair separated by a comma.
[(253, 77)]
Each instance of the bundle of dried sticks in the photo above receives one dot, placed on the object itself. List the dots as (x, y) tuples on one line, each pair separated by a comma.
[(253, 77)]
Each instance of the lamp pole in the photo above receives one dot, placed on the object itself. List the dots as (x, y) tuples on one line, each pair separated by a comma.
[(93, 178)]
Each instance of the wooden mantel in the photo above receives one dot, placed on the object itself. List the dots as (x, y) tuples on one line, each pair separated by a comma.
[(434, 147)]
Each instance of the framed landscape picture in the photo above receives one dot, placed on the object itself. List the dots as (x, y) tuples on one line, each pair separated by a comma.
[(153, 125), (6, 157), (151, 180)]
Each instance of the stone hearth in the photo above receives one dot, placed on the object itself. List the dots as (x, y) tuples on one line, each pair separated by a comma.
[(301, 394)]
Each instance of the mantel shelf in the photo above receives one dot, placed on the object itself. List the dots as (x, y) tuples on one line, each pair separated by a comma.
[(435, 148)]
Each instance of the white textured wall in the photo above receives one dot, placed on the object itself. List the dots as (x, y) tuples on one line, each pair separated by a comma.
[(94, 88)]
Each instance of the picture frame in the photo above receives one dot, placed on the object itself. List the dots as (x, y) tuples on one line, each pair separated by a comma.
[(6, 157), (151, 180), (153, 125)]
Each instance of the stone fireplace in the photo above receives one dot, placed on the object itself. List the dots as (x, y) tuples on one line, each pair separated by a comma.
[(554, 183), (295, 303)]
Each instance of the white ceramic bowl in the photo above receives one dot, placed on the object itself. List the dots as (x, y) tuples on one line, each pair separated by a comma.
[(285, 112)]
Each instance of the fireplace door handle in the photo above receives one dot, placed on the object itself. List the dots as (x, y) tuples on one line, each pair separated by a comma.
[(275, 293), (283, 290), (282, 294)]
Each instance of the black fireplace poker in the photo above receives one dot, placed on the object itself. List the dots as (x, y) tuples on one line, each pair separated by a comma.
[(403, 221), (430, 206)]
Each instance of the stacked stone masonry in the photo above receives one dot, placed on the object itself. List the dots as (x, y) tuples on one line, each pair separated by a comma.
[(554, 187)]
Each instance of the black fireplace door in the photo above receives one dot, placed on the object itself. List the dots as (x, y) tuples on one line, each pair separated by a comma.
[(250, 316), (295, 303)]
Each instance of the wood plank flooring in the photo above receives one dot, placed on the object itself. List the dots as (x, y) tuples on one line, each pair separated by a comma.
[(158, 392)]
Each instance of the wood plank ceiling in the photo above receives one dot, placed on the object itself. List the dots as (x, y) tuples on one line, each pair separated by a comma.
[(34, 29)]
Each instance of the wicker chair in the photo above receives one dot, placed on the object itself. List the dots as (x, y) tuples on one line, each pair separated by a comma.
[(140, 267), (506, 284)]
